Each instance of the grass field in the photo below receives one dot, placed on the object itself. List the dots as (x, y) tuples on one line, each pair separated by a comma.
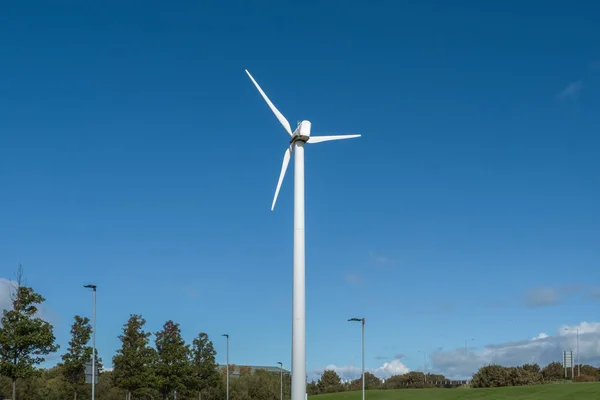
[(575, 391)]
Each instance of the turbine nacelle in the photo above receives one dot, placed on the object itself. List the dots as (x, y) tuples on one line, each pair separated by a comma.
[(301, 134)]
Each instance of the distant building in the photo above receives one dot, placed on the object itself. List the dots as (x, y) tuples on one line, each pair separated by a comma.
[(236, 369)]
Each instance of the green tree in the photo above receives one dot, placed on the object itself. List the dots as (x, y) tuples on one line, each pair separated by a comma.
[(78, 354), (24, 338), (204, 372), (172, 367), (329, 382), (133, 362), (553, 372)]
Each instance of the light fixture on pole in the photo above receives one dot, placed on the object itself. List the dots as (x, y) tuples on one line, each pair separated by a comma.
[(577, 355), (298, 138), (467, 346), (362, 320), (227, 360), (424, 365), (93, 287), (280, 379)]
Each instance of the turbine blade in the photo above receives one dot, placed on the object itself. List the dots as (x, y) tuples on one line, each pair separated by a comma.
[(286, 161), (319, 139), (279, 115)]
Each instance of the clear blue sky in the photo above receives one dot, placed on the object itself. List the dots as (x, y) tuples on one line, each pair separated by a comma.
[(136, 154)]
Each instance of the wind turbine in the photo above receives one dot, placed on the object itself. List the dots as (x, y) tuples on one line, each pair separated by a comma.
[(299, 137)]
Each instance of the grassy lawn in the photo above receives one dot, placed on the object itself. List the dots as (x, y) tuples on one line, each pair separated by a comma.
[(575, 391)]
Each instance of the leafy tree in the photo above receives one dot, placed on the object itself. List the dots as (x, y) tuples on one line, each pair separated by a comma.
[(329, 382), (204, 373), (491, 376), (134, 360), (172, 367), (24, 338), (78, 354), (553, 372)]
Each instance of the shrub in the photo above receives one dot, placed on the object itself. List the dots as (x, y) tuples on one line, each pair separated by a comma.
[(585, 378)]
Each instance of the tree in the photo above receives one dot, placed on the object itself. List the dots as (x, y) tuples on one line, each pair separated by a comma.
[(329, 382), (24, 338), (553, 372), (78, 354), (492, 376), (134, 360), (172, 367), (204, 373)]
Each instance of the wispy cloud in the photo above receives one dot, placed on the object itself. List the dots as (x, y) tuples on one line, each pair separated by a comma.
[(380, 259), (353, 279), (380, 357), (399, 356), (594, 293), (545, 296), (572, 90), (542, 297)]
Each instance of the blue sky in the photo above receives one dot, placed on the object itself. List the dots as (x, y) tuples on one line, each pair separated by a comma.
[(137, 155)]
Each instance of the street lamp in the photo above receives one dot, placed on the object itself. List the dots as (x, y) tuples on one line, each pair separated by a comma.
[(424, 364), (227, 379), (362, 320), (578, 359), (93, 287), (280, 379), (467, 346)]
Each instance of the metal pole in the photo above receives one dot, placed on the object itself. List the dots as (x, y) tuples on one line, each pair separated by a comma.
[(425, 365), (578, 359), (363, 359), (227, 360), (94, 348), (280, 380), (93, 287)]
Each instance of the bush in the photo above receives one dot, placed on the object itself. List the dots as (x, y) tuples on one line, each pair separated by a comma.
[(585, 378)]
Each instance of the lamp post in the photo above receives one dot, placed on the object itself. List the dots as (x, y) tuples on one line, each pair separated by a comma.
[(424, 365), (578, 359), (362, 320), (280, 379), (467, 346), (227, 361), (93, 287)]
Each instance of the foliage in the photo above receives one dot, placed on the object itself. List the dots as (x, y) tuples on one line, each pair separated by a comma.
[(329, 382), (553, 372), (133, 362), (25, 339), (78, 354), (172, 367), (203, 365), (371, 382)]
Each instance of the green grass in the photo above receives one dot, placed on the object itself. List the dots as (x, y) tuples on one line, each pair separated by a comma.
[(575, 391)]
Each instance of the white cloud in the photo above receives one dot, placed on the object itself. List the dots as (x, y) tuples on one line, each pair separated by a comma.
[(542, 349), (394, 367), (571, 90), (6, 288), (351, 372)]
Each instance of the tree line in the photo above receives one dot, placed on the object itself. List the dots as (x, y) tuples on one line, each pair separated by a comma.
[(172, 368), (531, 374)]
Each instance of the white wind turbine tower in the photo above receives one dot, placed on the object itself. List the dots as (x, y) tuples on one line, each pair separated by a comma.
[(300, 136)]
